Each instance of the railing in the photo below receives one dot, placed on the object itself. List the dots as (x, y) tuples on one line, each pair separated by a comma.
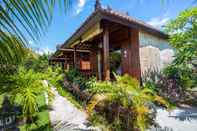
[(88, 73)]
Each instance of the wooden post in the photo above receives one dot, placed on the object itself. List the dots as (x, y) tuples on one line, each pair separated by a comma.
[(134, 55), (75, 57), (99, 65), (93, 61), (106, 65)]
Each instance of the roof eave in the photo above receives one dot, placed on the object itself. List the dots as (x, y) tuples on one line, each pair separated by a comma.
[(100, 14)]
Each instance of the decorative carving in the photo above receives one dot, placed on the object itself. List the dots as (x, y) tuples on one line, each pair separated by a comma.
[(8, 114), (97, 5), (109, 8)]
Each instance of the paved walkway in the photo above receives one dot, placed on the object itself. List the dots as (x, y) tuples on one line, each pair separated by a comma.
[(179, 119), (64, 116)]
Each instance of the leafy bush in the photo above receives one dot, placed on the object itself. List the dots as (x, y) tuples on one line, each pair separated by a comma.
[(27, 85), (183, 32), (100, 121), (71, 74), (185, 75), (115, 61), (181, 74), (74, 76), (125, 95), (36, 62), (165, 86)]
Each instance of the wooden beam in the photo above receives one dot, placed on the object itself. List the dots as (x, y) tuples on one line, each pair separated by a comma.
[(72, 50), (135, 25), (106, 65), (57, 59)]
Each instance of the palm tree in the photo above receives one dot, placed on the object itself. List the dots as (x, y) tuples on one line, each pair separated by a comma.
[(26, 85), (22, 19)]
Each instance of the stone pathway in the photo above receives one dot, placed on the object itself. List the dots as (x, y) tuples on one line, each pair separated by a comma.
[(180, 119), (64, 116)]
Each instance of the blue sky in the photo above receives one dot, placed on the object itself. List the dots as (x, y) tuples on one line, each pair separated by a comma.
[(154, 12)]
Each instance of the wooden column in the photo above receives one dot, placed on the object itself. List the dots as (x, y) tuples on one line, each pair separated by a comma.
[(134, 55), (75, 57), (125, 57), (106, 65), (93, 61), (99, 65)]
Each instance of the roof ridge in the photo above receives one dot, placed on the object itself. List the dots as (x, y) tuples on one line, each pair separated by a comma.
[(128, 17)]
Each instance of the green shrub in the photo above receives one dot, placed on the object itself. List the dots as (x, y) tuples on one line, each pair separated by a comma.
[(74, 76), (100, 121), (183, 30), (185, 75), (127, 93)]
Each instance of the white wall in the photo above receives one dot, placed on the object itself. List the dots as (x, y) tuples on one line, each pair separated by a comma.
[(155, 53)]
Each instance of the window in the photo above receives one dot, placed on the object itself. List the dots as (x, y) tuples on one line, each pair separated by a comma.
[(85, 65)]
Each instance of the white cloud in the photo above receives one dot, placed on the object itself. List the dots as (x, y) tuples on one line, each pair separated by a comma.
[(80, 6), (158, 22), (44, 51), (30, 42), (81, 3)]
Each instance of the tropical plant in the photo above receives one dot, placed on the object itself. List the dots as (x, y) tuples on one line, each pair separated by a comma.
[(27, 85), (74, 76), (71, 74), (39, 63), (176, 78), (168, 87), (99, 121), (22, 20), (183, 34), (127, 93), (8, 51), (55, 76), (115, 61)]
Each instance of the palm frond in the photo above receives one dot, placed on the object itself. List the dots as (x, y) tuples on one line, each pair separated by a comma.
[(10, 53), (24, 19)]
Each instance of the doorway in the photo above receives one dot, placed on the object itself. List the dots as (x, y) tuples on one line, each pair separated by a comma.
[(115, 62)]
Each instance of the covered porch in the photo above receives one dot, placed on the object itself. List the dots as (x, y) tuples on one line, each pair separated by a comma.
[(104, 32), (90, 47)]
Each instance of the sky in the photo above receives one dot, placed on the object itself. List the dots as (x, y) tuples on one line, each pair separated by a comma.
[(154, 12)]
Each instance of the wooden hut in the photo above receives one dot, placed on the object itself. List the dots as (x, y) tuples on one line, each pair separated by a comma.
[(105, 31)]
